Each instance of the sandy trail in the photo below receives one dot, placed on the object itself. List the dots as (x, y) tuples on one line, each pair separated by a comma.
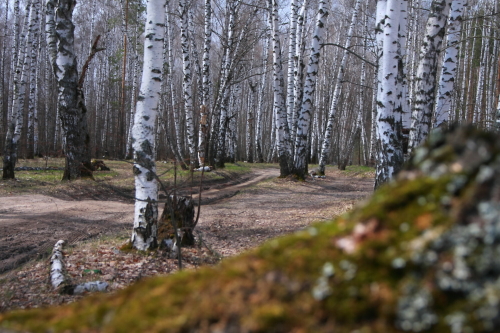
[(233, 218)]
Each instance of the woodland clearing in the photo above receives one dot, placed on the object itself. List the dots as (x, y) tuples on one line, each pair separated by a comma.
[(241, 207)]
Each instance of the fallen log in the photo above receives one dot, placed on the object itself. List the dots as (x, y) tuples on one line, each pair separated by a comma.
[(60, 279)]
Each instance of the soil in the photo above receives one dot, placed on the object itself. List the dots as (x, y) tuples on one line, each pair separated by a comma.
[(235, 216)]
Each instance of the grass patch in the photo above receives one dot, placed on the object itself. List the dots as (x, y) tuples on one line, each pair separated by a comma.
[(119, 179), (360, 171)]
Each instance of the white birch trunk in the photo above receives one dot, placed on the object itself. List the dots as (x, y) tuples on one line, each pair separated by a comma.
[(135, 74), (281, 124), (423, 106), (300, 163), (187, 82), (292, 39), (224, 92), (327, 137), (3, 62), (144, 235), (402, 106), (175, 107), (389, 149), (250, 122), (16, 120), (449, 67), (71, 105), (205, 93), (260, 103), (478, 106), (32, 101), (299, 68)]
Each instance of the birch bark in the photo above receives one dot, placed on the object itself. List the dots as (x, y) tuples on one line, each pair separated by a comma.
[(389, 145), (144, 235), (282, 130), (260, 104), (175, 107), (300, 163), (292, 39), (71, 105), (327, 137), (205, 104), (187, 82), (16, 120), (426, 73), (32, 100), (449, 66)]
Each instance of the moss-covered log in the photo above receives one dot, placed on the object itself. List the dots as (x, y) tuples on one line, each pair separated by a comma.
[(423, 254)]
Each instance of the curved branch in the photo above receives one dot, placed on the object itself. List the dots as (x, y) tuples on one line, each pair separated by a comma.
[(351, 52)]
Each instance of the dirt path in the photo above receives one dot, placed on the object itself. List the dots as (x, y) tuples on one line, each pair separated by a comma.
[(31, 224)]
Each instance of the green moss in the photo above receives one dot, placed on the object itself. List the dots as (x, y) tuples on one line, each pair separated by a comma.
[(383, 267)]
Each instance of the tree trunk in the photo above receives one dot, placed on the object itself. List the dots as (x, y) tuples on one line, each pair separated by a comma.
[(205, 104), (17, 114), (325, 149), (71, 105), (389, 143), (301, 147), (426, 73), (187, 82), (145, 230), (282, 130), (449, 67)]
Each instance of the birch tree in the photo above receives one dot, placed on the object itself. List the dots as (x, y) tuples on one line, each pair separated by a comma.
[(423, 105), (32, 100), (144, 235), (450, 61), (71, 105), (187, 81), (205, 99), (300, 164), (279, 109), (389, 145), (327, 137), (16, 121)]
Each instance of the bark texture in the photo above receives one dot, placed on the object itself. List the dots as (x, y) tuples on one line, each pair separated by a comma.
[(71, 103), (145, 232)]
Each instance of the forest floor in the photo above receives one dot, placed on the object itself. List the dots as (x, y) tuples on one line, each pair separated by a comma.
[(239, 211)]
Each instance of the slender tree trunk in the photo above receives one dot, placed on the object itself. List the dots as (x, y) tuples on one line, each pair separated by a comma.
[(426, 73), (479, 100), (144, 235), (300, 164), (292, 39), (389, 145), (449, 67), (205, 93), (32, 101), (16, 115), (175, 106), (260, 104), (250, 122), (187, 82), (327, 137), (282, 130)]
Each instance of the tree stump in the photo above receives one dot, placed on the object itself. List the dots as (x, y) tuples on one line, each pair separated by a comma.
[(183, 209), (99, 165)]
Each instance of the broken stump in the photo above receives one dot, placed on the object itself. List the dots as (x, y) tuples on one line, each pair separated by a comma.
[(183, 213)]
